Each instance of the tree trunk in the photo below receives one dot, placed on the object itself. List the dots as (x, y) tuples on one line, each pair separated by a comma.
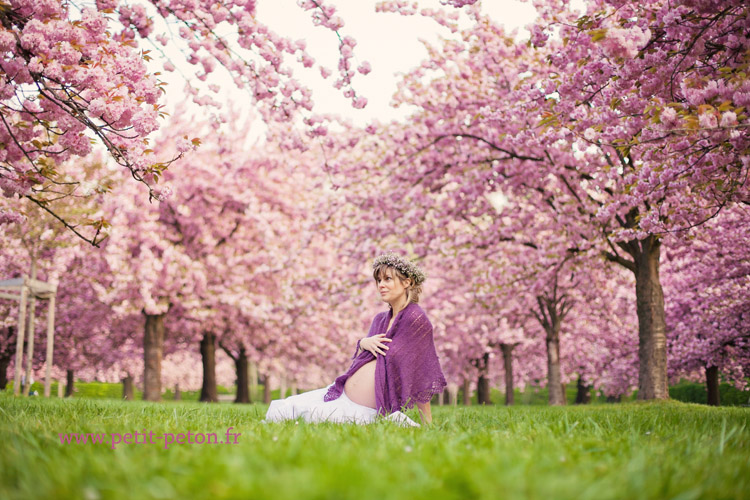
[(508, 365), (452, 394), (467, 392), (483, 390), (70, 382), (128, 393), (712, 385), (554, 376), (209, 392), (483, 382), (243, 387), (177, 393), (652, 340), (583, 396), (153, 351), (267, 389), (282, 386), (6, 356), (4, 363), (253, 381)]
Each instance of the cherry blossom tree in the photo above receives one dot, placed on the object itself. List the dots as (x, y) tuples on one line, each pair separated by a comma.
[(179, 253), (661, 98), (708, 275), (473, 321), (73, 75), (628, 125), (37, 246), (13, 263)]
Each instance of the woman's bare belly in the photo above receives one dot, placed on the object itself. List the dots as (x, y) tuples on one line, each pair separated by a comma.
[(360, 387)]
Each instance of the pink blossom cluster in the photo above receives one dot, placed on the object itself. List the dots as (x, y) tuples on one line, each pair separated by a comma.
[(68, 80), (625, 42), (403, 7), (76, 76)]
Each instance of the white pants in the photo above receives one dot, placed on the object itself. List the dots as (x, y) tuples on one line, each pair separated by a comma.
[(311, 407)]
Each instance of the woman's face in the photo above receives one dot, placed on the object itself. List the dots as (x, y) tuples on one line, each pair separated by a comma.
[(390, 287)]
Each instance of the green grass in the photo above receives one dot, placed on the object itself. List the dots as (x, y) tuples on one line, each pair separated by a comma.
[(103, 390), (685, 391), (696, 393), (629, 450)]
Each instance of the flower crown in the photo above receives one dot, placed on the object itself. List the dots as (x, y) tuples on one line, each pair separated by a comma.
[(406, 267)]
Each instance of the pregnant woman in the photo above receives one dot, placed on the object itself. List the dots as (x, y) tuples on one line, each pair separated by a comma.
[(394, 367)]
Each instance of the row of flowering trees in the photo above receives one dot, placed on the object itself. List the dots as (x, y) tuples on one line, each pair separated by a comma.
[(580, 201), (611, 134), (229, 262)]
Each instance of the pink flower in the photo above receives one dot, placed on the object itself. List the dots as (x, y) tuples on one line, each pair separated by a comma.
[(707, 120), (106, 4), (11, 217), (728, 119), (625, 42), (35, 65), (318, 131), (144, 122), (364, 68), (184, 145), (94, 22), (539, 37), (307, 61), (67, 55), (97, 107), (7, 41), (163, 192), (668, 115), (359, 102), (53, 70)]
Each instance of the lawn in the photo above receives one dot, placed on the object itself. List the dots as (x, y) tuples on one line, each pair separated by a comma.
[(628, 450), (686, 391)]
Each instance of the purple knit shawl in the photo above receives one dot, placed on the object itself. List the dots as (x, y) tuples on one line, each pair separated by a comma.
[(409, 372)]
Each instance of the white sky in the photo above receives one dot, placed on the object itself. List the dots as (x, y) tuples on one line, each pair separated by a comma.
[(389, 42)]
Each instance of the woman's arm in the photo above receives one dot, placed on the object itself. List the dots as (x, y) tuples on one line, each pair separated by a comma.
[(424, 409)]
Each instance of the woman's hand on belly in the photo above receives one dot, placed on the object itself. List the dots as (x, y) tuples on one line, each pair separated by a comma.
[(360, 387)]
